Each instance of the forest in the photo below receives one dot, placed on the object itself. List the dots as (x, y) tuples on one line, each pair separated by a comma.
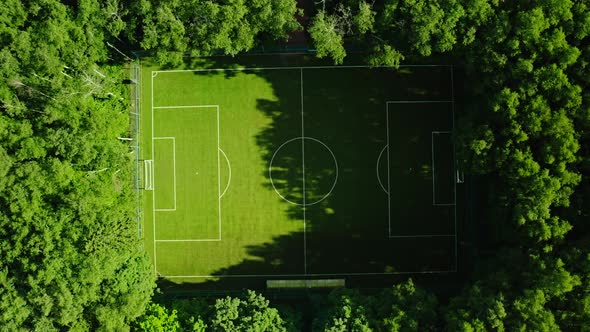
[(70, 258)]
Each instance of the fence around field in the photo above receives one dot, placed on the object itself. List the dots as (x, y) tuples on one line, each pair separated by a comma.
[(134, 131)]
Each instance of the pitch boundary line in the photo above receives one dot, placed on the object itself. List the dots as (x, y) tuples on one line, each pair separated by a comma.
[(294, 68), (311, 274), (454, 164), (187, 106), (154, 73), (153, 181)]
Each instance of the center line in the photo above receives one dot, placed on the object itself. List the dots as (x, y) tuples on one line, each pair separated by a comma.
[(303, 176)]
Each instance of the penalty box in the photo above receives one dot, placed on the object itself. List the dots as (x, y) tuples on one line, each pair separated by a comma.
[(186, 168)]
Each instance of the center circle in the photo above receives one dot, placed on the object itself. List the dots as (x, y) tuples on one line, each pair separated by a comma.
[(303, 171)]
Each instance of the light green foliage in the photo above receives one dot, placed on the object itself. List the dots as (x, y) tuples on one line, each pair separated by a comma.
[(158, 319), (405, 307), (477, 311), (385, 55), (328, 30), (327, 38), (251, 313), (364, 20)]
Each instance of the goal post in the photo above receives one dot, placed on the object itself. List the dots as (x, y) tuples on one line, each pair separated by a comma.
[(148, 174)]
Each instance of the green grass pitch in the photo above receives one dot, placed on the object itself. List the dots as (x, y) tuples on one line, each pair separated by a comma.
[(299, 171)]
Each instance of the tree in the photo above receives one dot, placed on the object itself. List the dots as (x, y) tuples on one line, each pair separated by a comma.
[(327, 37), (251, 313), (343, 310), (70, 253), (405, 307), (158, 319), (171, 28)]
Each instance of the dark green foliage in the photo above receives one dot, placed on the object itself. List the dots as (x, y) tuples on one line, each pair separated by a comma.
[(404, 307), (525, 127), (343, 310), (531, 107), (393, 30)]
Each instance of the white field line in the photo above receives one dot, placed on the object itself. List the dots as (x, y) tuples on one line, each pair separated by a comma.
[(153, 182), (173, 139), (310, 274), (218, 170), (303, 175), (154, 73), (294, 68), (218, 175), (229, 169), (270, 166), (377, 168), (388, 171), (187, 106), (454, 161)]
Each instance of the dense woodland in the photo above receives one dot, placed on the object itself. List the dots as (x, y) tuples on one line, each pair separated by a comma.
[(70, 258)]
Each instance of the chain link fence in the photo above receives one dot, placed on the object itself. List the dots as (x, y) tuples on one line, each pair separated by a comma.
[(135, 130)]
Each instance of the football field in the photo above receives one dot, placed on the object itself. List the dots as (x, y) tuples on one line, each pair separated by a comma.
[(280, 172)]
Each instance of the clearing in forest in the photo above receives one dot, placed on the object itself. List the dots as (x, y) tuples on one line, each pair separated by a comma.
[(308, 171)]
